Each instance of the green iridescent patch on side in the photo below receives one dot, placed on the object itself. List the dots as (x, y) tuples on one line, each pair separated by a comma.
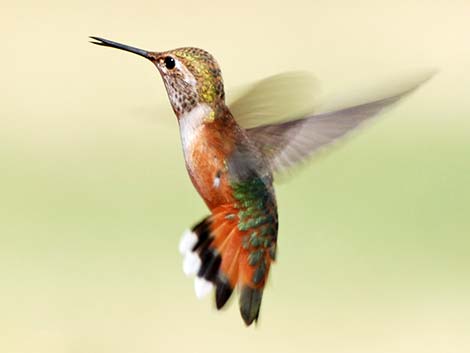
[(260, 272), (252, 197), (255, 240), (255, 257), (256, 213)]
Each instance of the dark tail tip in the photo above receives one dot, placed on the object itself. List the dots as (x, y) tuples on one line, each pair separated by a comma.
[(223, 291), (250, 303)]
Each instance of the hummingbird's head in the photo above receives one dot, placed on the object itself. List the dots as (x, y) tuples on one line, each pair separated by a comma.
[(191, 75)]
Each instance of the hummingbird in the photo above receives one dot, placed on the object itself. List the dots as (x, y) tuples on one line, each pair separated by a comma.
[(233, 168)]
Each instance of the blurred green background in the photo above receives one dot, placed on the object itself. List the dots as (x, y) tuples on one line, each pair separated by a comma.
[(374, 237)]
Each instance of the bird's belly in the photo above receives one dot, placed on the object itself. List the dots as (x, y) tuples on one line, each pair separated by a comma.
[(207, 168)]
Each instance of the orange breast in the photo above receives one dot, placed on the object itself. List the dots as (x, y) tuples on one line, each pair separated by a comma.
[(206, 162)]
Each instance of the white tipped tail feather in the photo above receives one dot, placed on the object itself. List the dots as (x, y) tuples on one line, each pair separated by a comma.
[(202, 287), (188, 240), (192, 263)]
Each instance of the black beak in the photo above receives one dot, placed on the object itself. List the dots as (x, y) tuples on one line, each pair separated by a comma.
[(110, 43)]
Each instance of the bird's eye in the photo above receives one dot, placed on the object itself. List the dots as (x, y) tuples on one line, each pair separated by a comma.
[(169, 62)]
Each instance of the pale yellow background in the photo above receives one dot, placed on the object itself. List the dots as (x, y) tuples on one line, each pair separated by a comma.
[(373, 243)]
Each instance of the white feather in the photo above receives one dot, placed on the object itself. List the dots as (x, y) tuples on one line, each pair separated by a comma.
[(191, 264), (188, 240), (216, 182), (202, 287), (190, 122)]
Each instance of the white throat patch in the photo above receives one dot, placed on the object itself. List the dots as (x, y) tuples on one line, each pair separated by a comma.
[(191, 122)]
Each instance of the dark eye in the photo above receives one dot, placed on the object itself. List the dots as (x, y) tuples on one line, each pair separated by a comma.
[(169, 62)]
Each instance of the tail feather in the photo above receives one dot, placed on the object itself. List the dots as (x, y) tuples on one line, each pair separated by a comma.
[(250, 303), (223, 256), (223, 291)]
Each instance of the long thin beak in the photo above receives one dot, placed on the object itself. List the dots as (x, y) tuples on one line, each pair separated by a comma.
[(110, 43)]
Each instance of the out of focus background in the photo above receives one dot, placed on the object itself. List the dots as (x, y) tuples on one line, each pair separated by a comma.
[(374, 237)]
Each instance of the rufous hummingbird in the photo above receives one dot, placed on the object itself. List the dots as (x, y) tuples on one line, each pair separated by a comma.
[(232, 169)]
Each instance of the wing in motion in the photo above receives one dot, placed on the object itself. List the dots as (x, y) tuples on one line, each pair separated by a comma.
[(284, 96), (287, 143)]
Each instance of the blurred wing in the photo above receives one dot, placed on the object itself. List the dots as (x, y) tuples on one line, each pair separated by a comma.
[(286, 144), (284, 96)]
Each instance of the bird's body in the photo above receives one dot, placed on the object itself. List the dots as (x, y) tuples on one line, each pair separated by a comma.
[(232, 168), (225, 168)]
